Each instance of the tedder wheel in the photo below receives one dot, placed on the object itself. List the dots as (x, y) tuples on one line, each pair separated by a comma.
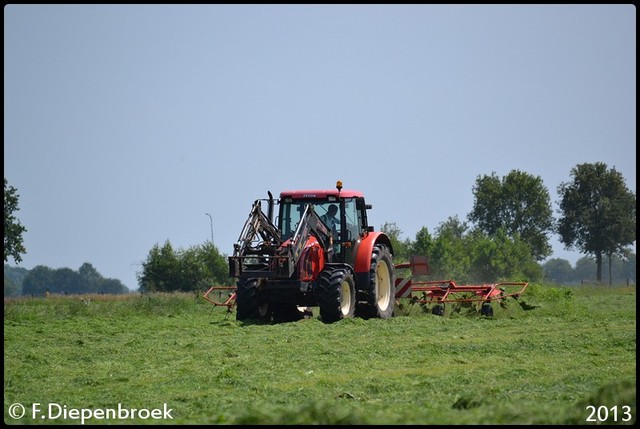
[(336, 294), (486, 309), (248, 305), (379, 295), (438, 310)]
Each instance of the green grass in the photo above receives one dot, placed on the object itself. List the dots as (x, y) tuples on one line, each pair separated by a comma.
[(572, 348)]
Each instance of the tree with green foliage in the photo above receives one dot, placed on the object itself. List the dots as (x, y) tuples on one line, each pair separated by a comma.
[(39, 280), (468, 256), (519, 204), (400, 247), (13, 230), (160, 270), (559, 271), (449, 258), (68, 281), (89, 277), (202, 266), (13, 278), (598, 213), (216, 266), (192, 269), (501, 258), (423, 243), (10, 287)]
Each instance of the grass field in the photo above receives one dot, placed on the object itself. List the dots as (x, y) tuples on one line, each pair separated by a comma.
[(176, 359)]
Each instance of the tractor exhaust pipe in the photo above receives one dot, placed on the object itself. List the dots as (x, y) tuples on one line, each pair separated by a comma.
[(270, 210)]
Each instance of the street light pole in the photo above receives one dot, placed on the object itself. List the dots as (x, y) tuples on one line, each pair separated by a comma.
[(211, 219)]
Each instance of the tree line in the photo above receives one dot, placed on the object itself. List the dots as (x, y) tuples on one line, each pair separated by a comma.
[(42, 280), (504, 238), (165, 267), (560, 271)]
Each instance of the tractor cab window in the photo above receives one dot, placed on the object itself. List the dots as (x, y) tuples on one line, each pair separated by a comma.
[(325, 211), (290, 215), (329, 211), (291, 212), (352, 218), (330, 215)]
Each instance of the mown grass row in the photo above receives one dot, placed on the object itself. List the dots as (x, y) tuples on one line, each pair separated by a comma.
[(540, 363)]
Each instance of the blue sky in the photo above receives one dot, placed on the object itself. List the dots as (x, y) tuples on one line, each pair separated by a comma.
[(125, 124)]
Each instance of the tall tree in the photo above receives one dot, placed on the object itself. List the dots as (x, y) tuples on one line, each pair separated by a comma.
[(598, 213), (519, 204), (13, 230)]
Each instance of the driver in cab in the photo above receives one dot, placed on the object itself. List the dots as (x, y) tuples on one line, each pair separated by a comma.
[(330, 219)]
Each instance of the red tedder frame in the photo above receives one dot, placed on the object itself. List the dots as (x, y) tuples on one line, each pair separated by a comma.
[(441, 291), (229, 302)]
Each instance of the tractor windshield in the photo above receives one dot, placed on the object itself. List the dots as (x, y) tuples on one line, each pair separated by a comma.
[(329, 211)]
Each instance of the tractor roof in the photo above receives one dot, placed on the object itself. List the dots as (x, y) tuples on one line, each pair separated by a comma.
[(320, 193)]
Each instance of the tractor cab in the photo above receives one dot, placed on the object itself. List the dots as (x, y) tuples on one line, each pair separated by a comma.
[(343, 212)]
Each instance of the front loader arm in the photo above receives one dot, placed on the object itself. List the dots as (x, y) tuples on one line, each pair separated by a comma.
[(257, 243), (257, 231), (310, 223), (259, 252)]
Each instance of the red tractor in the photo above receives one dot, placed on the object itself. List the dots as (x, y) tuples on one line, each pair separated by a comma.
[(319, 252)]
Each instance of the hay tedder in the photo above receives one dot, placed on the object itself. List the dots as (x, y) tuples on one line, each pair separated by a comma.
[(321, 252), (435, 294)]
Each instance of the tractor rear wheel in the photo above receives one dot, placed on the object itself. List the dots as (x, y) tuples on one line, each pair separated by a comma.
[(336, 295), (248, 305), (379, 296)]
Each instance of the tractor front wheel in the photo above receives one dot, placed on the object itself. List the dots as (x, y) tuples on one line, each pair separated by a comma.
[(248, 304), (336, 295)]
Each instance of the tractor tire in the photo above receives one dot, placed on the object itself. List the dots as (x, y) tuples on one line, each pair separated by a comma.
[(378, 298), (248, 305), (336, 295)]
